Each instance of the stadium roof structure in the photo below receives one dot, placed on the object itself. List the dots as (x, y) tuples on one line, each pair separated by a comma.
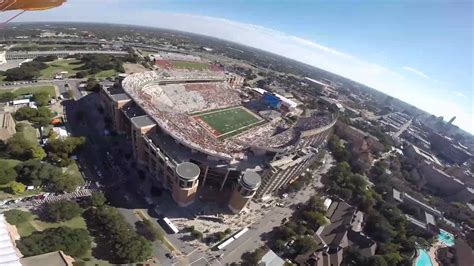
[(8, 253), (200, 111)]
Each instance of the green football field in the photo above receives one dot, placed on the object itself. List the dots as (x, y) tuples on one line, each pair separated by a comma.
[(229, 122), (190, 65)]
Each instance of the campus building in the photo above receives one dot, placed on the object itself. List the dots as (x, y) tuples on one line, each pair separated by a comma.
[(195, 137)]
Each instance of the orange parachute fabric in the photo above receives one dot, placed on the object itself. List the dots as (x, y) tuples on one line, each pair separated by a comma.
[(29, 5)]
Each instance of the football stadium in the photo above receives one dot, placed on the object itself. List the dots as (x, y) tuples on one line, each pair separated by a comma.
[(195, 119)]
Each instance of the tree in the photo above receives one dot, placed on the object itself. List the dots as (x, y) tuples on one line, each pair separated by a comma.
[(7, 97), (69, 94), (376, 261), (126, 244), (133, 248), (7, 173), (196, 234), (305, 244), (285, 232), (315, 203), (92, 85), (16, 188), (41, 116), (379, 228), (253, 258), (73, 242), (81, 74), (20, 148), (314, 219), (66, 182), (98, 199), (61, 149), (63, 210), (27, 71), (37, 173), (41, 99), (37, 153), (279, 245), (16, 216), (340, 152), (153, 232), (47, 58)]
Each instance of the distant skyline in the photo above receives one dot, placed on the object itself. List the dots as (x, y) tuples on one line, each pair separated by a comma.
[(420, 52)]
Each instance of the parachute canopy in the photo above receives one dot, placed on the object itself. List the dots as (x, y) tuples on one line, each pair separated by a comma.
[(29, 5)]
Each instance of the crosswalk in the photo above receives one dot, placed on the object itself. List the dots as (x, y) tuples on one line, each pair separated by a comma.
[(68, 196)]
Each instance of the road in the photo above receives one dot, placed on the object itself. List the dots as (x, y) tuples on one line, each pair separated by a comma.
[(403, 128), (254, 238)]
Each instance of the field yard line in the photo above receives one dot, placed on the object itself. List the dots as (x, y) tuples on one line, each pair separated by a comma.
[(240, 128), (218, 111), (252, 113)]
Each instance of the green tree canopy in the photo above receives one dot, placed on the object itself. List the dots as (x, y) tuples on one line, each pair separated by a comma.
[(98, 199), (16, 188), (63, 210), (73, 242), (41, 116), (7, 173), (66, 182), (305, 244), (62, 148), (41, 99), (37, 173), (7, 96), (314, 219), (20, 148), (128, 246), (27, 71)]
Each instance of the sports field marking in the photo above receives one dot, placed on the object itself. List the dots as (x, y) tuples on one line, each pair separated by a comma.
[(226, 122)]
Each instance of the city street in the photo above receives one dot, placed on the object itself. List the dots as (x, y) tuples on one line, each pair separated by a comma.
[(254, 238)]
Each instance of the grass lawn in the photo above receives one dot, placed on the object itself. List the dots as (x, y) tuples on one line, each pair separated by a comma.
[(190, 65), (104, 74), (56, 66), (25, 229), (49, 89), (229, 120), (72, 66), (76, 223), (34, 224)]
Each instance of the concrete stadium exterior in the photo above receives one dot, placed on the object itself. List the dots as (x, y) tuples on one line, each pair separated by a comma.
[(152, 109)]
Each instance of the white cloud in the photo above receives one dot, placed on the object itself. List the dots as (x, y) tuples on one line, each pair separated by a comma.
[(416, 72), (460, 94), (310, 52)]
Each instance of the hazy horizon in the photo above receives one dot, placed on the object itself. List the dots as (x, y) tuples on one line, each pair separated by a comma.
[(420, 53)]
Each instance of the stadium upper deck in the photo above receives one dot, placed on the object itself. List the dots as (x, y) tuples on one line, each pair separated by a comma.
[(174, 100)]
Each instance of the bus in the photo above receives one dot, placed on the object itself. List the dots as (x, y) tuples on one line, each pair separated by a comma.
[(170, 225)]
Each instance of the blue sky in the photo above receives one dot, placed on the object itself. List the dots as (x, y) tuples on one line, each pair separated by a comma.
[(419, 51)]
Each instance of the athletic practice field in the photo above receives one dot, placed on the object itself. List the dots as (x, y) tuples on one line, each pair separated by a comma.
[(189, 65), (228, 122)]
